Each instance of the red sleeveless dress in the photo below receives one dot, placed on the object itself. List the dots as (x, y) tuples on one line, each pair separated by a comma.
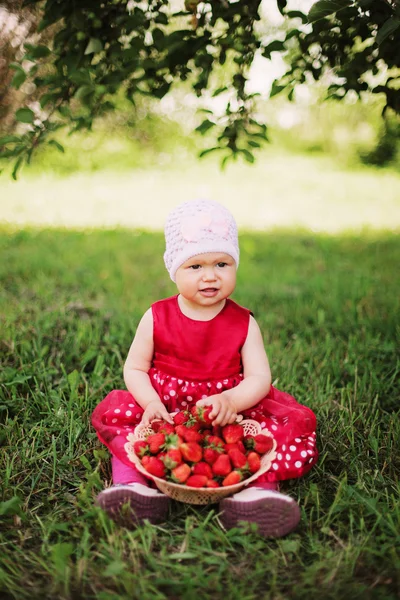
[(195, 359)]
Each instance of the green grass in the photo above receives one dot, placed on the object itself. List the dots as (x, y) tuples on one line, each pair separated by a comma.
[(328, 308), (280, 190)]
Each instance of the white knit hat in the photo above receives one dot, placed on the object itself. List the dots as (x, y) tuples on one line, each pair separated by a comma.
[(196, 227)]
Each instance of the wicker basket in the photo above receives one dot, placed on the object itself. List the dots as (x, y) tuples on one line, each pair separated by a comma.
[(190, 495)]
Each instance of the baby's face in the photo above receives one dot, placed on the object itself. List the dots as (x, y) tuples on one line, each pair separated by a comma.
[(207, 279)]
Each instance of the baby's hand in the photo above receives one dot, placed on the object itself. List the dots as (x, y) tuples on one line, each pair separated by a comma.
[(223, 409), (155, 410)]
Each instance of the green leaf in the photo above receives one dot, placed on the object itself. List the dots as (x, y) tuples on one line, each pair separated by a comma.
[(275, 46), (114, 568), (83, 92), (208, 150), (25, 115), (248, 156), (324, 8), (47, 98), (387, 29), (18, 79), (17, 167), (281, 6), (37, 51), (276, 89), (8, 139), (57, 145), (297, 14), (11, 506), (205, 126), (94, 46)]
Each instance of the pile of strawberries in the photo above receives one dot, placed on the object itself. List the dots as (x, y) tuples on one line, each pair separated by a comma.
[(195, 453)]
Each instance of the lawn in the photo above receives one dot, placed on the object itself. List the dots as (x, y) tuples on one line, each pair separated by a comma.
[(279, 190), (328, 308)]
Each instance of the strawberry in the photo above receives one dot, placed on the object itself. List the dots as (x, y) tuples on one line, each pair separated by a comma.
[(217, 430), (232, 433), (190, 435), (253, 462), (156, 442), (141, 448), (213, 441), (202, 414), (222, 465), (191, 452), (155, 425), (154, 466), (211, 483), (172, 458), (233, 478), (260, 443), (188, 432), (197, 481), (173, 441), (238, 459), (210, 455), (166, 428), (238, 446), (181, 473), (202, 468), (181, 417)]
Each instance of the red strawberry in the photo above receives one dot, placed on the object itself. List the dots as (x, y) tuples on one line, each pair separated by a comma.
[(260, 443), (213, 441), (238, 446), (197, 481), (190, 435), (238, 459), (192, 452), (141, 448), (156, 442), (181, 417), (222, 465), (233, 478), (154, 465), (202, 414), (172, 458), (211, 483), (155, 425), (232, 433), (185, 431), (210, 455), (253, 462), (181, 473), (202, 468), (217, 430), (166, 428)]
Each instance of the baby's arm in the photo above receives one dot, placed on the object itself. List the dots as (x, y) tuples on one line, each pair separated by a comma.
[(254, 387), (136, 370)]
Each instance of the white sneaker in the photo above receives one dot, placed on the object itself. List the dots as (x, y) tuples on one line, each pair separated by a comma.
[(132, 503), (275, 514)]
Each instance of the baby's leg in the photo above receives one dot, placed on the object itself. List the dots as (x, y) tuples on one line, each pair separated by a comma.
[(130, 500)]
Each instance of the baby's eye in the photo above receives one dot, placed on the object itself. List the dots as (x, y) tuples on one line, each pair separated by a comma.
[(195, 267), (222, 264)]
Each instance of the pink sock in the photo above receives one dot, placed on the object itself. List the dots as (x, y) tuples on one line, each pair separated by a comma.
[(122, 473)]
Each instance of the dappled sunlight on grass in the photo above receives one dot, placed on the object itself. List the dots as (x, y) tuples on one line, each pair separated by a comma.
[(278, 191)]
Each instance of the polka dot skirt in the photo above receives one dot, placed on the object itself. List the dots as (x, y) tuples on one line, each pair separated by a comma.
[(292, 424)]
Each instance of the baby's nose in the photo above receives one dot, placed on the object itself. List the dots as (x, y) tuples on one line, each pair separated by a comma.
[(209, 274)]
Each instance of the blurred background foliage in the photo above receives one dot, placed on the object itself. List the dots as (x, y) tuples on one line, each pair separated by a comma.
[(161, 131)]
